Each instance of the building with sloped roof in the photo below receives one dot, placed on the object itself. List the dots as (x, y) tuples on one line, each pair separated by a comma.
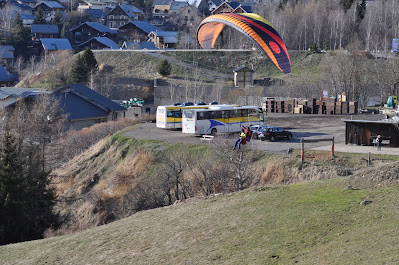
[(86, 107), (88, 30), (160, 8), (49, 8), (39, 31), (232, 7), (164, 39), (99, 43), (9, 95), (7, 56), (104, 5), (142, 45), (49, 47), (136, 30), (7, 79), (95, 15), (122, 14)]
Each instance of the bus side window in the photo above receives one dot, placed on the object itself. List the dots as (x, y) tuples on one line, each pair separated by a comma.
[(178, 114), (244, 113), (170, 113), (233, 113), (225, 114)]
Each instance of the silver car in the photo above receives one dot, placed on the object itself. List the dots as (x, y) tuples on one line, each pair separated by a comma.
[(256, 130)]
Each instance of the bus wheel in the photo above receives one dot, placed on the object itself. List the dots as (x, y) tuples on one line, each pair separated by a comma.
[(214, 131)]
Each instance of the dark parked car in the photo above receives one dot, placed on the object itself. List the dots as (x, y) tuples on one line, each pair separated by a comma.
[(177, 104), (200, 103), (273, 133), (213, 103), (188, 103)]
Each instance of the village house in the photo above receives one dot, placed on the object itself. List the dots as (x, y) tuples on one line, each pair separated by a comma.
[(39, 31), (85, 107), (122, 14), (7, 79), (7, 56), (49, 47), (183, 14), (232, 7), (95, 15), (136, 31), (49, 8), (11, 8), (142, 45), (9, 95), (104, 5), (99, 43), (30, 3), (160, 8), (164, 39), (88, 30)]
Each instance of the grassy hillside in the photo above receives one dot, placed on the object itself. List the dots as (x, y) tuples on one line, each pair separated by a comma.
[(312, 223)]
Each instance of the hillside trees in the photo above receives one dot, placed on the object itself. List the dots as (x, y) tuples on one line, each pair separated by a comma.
[(25, 199), (83, 68), (164, 68), (20, 38)]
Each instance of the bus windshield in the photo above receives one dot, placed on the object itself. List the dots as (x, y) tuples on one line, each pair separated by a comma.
[(188, 114)]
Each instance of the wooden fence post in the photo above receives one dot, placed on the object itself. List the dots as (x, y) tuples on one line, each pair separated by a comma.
[(332, 148), (302, 150)]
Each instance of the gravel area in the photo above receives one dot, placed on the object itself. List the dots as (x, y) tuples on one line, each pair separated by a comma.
[(305, 126)]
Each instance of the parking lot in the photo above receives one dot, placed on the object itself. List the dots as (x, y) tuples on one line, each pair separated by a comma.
[(305, 126)]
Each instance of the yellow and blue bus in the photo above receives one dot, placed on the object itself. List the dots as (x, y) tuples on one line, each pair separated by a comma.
[(220, 119), (170, 117)]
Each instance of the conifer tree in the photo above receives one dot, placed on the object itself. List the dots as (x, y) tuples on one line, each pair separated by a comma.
[(164, 68), (12, 186), (79, 72), (39, 17), (90, 61), (20, 38)]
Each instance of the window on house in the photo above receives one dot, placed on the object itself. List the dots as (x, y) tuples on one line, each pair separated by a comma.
[(111, 17)]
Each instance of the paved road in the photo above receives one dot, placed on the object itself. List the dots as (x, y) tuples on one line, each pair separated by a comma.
[(301, 125)]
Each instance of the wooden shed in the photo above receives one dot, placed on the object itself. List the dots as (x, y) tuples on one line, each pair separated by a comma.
[(243, 77), (363, 132)]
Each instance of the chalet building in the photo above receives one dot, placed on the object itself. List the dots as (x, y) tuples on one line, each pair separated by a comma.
[(213, 4), (232, 7), (142, 45), (89, 30), (136, 31), (160, 8), (103, 5), (85, 107), (201, 7), (164, 39), (185, 15), (39, 31), (96, 15), (7, 56), (49, 8), (122, 14), (49, 47), (30, 3), (99, 43), (10, 95), (25, 11), (7, 79)]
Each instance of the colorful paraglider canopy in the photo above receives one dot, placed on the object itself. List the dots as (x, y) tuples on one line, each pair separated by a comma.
[(254, 27)]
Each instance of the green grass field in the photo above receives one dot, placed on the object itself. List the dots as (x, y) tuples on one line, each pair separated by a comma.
[(312, 223)]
